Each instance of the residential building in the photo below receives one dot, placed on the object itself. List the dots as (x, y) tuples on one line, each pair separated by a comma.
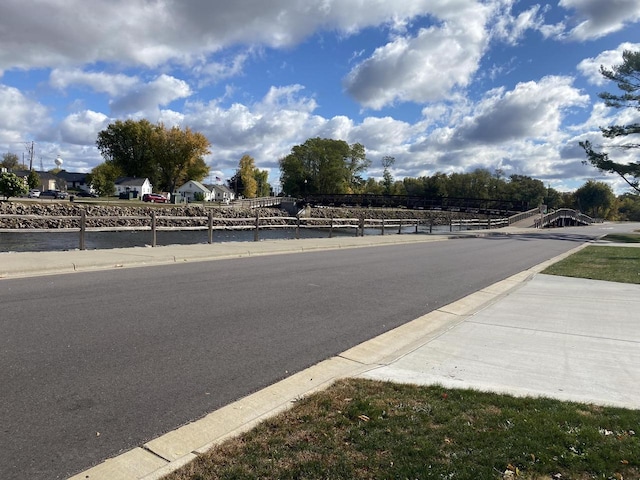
[(134, 186), (195, 191)]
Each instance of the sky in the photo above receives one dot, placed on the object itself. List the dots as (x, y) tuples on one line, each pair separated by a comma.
[(510, 86)]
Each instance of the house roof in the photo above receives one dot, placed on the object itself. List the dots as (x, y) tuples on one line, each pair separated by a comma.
[(72, 176), (44, 176), (131, 181), (196, 184), (222, 188)]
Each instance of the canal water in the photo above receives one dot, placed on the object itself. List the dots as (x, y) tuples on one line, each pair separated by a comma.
[(56, 240)]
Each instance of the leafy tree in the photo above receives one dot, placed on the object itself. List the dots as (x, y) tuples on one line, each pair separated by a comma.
[(166, 156), (627, 78), (249, 181), (103, 177), (262, 183), (178, 156), (526, 189), (323, 165), (10, 161), (246, 170), (128, 145), (33, 179), (11, 185), (387, 178), (629, 207), (371, 186), (595, 199)]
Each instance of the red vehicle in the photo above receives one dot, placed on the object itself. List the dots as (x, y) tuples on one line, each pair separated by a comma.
[(154, 198)]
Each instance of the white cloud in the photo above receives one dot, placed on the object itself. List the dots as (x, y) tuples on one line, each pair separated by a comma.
[(597, 18), (111, 84), (590, 67), (73, 32), (145, 99), (423, 68), (82, 128), (532, 110), (22, 117), (511, 29)]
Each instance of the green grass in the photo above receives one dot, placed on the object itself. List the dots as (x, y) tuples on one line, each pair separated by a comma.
[(623, 237), (613, 264), (366, 429)]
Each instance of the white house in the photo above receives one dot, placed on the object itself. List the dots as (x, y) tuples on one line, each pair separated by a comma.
[(137, 186), (193, 189), (222, 193)]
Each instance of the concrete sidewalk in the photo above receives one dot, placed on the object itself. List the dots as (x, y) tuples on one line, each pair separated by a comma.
[(531, 334)]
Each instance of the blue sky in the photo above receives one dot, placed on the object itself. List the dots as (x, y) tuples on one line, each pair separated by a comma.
[(440, 85)]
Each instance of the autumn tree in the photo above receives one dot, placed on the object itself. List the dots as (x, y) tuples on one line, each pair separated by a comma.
[(178, 156), (324, 166), (166, 156), (624, 137)]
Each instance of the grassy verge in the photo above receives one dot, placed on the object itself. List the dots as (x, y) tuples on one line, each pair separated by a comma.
[(613, 264), (623, 237), (367, 429)]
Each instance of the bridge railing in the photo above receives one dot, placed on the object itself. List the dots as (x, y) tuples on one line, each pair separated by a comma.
[(524, 215), (564, 216)]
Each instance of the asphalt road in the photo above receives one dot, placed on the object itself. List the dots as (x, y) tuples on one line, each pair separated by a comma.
[(94, 364)]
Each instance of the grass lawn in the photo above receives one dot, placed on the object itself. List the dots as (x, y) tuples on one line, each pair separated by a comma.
[(613, 264), (368, 429), (374, 430)]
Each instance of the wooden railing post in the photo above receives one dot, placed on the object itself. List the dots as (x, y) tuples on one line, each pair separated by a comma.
[(153, 229), (382, 229), (331, 228), (431, 225), (297, 226), (400, 227), (83, 228), (256, 233), (210, 225)]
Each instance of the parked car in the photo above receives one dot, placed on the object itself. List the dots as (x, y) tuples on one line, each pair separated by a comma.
[(33, 193), (83, 193), (54, 194), (154, 198)]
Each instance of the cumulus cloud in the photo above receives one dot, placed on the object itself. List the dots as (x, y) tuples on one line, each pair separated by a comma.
[(533, 110), (73, 32), (82, 128), (145, 99), (22, 116), (597, 18), (423, 68)]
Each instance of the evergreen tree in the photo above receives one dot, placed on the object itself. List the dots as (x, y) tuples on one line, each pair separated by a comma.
[(627, 78)]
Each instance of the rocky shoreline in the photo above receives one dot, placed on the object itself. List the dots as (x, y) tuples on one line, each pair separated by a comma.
[(61, 215)]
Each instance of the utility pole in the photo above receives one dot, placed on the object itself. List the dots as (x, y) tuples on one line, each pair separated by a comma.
[(30, 150)]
